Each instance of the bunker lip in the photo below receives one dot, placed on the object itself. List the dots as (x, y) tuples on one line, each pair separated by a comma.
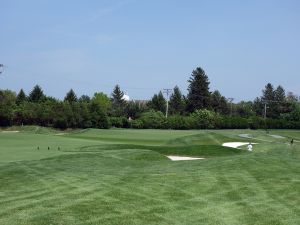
[(235, 144), (182, 158)]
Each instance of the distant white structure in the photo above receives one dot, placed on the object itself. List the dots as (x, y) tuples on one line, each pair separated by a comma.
[(126, 97)]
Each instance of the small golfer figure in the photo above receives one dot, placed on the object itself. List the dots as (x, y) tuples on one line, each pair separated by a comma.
[(250, 147)]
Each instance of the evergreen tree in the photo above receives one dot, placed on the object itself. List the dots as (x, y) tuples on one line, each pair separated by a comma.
[(244, 109), (219, 103), (258, 106), (268, 98), (268, 93), (198, 90), (71, 97), (158, 102), (177, 104), (36, 95), (117, 96), (280, 101), (84, 98), (133, 110), (279, 94), (117, 101), (21, 97)]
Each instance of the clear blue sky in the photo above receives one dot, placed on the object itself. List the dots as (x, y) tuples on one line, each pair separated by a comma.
[(147, 45)]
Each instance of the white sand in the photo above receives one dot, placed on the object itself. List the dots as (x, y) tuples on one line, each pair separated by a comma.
[(180, 158), (276, 136), (235, 144), (10, 131), (60, 134)]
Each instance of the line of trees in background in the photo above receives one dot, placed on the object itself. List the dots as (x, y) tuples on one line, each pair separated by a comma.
[(199, 109)]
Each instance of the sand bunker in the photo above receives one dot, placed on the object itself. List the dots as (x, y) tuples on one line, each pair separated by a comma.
[(276, 136), (10, 131), (181, 158), (235, 144)]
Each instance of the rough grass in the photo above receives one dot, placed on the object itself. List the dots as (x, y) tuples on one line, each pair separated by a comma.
[(95, 181)]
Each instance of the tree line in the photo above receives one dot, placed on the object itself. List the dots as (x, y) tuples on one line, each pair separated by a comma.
[(201, 108)]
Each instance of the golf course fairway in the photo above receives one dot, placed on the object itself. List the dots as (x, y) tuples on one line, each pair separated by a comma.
[(123, 176)]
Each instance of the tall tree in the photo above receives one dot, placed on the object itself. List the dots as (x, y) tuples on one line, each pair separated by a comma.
[(117, 96), (280, 101), (71, 97), (117, 101), (268, 98), (219, 103), (279, 94), (36, 95), (268, 93), (84, 98), (177, 104), (102, 100), (198, 90), (158, 102), (245, 109), (7, 106), (21, 97), (258, 106)]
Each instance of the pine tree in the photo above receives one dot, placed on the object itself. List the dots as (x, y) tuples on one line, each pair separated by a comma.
[(21, 97), (268, 93), (117, 96), (36, 95), (279, 94), (177, 104), (118, 102), (198, 90), (258, 106), (268, 98), (84, 98), (158, 102), (219, 103), (281, 105), (71, 97)]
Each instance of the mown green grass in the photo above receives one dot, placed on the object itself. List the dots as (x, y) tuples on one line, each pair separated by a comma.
[(123, 177)]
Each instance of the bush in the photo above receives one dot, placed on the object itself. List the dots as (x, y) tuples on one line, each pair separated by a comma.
[(256, 122), (153, 119), (116, 122), (60, 123), (205, 119), (137, 124), (178, 122), (233, 123)]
